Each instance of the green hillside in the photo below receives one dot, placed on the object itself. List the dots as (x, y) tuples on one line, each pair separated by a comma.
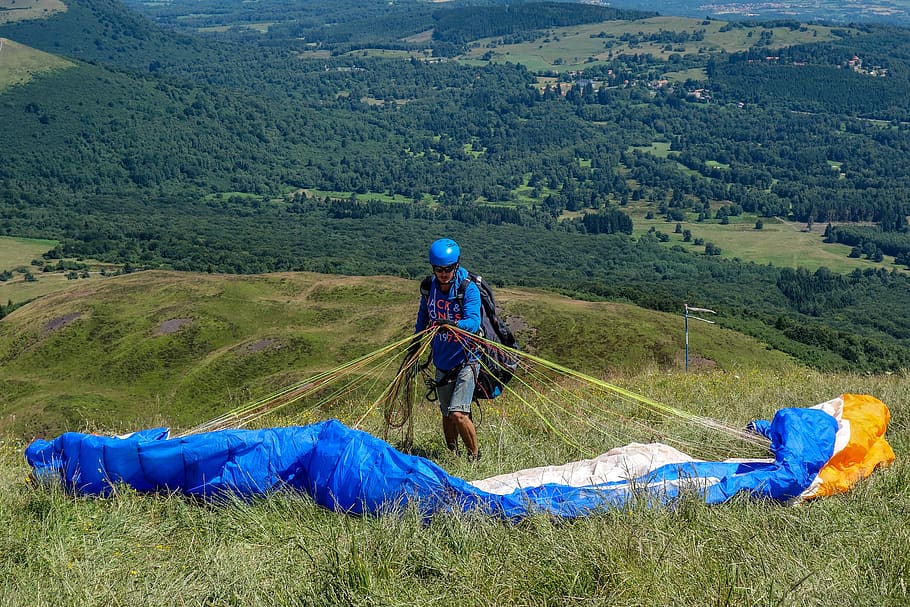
[(180, 348), (19, 63), (103, 31), (243, 153), (328, 142), (122, 352)]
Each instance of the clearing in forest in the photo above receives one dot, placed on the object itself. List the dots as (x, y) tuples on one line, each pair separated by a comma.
[(20, 63), (20, 10)]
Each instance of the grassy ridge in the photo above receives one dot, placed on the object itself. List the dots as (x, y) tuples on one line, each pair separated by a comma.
[(179, 348), (19, 63), (165, 550), (183, 346)]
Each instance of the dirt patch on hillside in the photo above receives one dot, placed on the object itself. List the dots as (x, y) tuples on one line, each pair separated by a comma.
[(696, 362), (262, 344), (172, 326), (516, 323), (524, 333), (421, 37), (61, 321)]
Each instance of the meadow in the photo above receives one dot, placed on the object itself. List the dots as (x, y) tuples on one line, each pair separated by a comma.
[(782, 243), (133, 548), (176, 349), (572, 48), (18, 10), (20, 252), (23, 259), (20, 63)]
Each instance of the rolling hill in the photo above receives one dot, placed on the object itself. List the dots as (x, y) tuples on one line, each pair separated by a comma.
[(180, 348), (243, 152), (188, 153)]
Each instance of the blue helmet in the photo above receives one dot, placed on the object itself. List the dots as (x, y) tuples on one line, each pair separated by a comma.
[(444, 252)]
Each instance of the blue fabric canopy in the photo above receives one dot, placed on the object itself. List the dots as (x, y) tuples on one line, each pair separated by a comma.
[(351, 471)]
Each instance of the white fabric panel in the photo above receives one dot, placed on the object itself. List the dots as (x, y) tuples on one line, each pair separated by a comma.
[(623, 463)]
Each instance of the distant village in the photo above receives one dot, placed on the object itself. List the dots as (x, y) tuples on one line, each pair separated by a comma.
[(578, 80)]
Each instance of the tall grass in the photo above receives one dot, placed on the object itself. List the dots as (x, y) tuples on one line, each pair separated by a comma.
[(60, 549)]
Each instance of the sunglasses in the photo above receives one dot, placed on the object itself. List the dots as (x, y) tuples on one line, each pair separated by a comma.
[(445, 269)]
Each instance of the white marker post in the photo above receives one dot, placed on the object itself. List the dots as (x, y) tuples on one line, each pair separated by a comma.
[(710, 322)]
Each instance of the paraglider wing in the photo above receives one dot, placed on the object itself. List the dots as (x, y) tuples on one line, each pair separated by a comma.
[(817, 451)]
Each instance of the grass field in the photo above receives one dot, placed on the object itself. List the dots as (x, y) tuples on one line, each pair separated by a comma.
[(380, 196), (262, 27), (17, 256), (19, 252), (237, 338), (572, 48), (781, 243), (19, 63), (18, 290), (176, 349), (138, 549), (19, 10)]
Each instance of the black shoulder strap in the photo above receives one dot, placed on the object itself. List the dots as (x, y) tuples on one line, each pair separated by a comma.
[(425, 285), (463, 285)]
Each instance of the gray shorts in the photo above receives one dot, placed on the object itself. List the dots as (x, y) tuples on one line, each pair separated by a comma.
[(456, 396)]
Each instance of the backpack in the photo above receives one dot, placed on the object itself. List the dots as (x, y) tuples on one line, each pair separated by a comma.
[(496, 366)]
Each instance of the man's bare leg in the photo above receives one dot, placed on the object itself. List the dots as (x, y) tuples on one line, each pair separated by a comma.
[(450, 432), (462, 423)]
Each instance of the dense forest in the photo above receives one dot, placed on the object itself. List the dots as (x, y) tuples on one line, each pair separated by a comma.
[(244, 151)]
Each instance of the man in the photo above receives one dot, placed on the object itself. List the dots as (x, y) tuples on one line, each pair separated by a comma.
[(456, 362)]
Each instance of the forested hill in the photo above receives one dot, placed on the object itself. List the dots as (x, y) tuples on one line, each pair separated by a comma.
[(241, 151), (106, 32)]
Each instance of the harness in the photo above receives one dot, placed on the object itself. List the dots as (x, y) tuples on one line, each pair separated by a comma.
[(451, 375), (449, 378)]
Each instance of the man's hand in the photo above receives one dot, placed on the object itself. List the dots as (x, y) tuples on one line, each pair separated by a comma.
[(445, 323)]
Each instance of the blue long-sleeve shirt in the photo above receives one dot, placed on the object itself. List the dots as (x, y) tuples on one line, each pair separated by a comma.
[(436, 305)]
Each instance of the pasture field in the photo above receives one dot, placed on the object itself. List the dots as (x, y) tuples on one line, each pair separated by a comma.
[(20, 63), (571, 48), (17, 255), (20, 10), (781, 243), (262, 28), (380, 196), (18, 289), (19, 252)]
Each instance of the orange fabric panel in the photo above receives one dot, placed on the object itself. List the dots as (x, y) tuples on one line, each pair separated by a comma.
[(866, 450)]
